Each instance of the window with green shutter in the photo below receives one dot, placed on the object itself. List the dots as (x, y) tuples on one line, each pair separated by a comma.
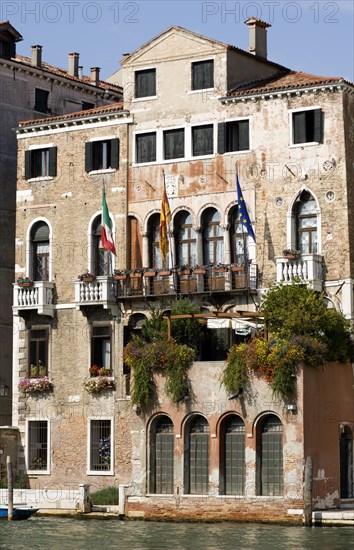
[(40, 163), (197, 457), (161, 456), (203, 75), (101, 155), (233, 465), (271, 457), (307, 126), (233, 136), (145, 83)]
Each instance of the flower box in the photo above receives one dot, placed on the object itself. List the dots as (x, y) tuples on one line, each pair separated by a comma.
[(200, 271), (87, 279), (236, 268), (120, 277), (184, 272), (149, 273), (35, 385), (165, 273), (220, 269), (291, 256), (99, 384), (28, 283), (135, 275)]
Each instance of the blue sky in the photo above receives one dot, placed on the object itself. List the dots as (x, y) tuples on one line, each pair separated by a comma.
[(312, 36)]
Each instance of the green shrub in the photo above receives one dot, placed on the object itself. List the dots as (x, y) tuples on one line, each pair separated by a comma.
[(107, 496)]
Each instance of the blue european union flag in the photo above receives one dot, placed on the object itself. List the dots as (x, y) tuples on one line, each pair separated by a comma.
[(244, 217)]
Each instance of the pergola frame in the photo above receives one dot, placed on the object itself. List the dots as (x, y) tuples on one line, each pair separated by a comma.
[(240, 314)]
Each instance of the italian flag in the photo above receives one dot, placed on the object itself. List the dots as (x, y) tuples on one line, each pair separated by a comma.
[(106, 227)]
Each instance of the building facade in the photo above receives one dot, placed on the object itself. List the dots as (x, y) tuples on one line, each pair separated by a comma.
[(31, 89), (195, 110)]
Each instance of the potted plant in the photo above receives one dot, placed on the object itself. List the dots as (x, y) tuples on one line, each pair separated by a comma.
[(200, 269), (24, 281), (120, 275), (164, 272), (221, 268), (291, 253), (99, 384), (86, 277), (35, 385), (149, 271), (184, 269), (236, 268), (136, 273)]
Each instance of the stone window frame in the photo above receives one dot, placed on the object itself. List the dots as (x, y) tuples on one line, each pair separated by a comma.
[(90, 239), (259, 427), (47, 470), (92, 148), (137, 94), (29, 248), (48, 162), (194, 87), (188, 146), (151, 453), (318, 130), (97, 325), (89, 471)]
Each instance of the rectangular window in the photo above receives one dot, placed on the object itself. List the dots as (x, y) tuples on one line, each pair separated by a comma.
[(203, 75), (102, 155), (101, 349), (145, 83), (203, 140), (100, 445), (233, 136), (173, 144), (145, 147), (41, 100), (307, 126), (38, 353), (40, 163), (37, 452)]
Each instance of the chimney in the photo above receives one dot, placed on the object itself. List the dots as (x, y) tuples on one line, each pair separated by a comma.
[(257, 36), (73, 67), (95, 75), (81, 71), (36, 59)]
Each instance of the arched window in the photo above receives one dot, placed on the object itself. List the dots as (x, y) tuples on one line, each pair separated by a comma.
[(197, 456), (161, 456), (238, 237), (232, 456), (154, 242), (346, 463), (40, 251), (306, 223), (270, 456), (100, 255), (186, 240), (213, 240)]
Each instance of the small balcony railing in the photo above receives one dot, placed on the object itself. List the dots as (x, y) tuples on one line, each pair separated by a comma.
[(307, 268), (188, 282), (38, 296), (100, 291)]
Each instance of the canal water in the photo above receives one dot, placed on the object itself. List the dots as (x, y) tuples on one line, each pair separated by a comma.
[(61, 534)]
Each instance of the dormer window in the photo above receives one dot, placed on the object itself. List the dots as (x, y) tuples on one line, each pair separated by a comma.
[(203, 75), (145, 83)]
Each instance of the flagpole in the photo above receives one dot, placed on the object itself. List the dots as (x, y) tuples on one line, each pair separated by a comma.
[(168, 225)]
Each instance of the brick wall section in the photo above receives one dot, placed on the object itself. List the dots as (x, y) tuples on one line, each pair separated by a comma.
[(260, 509)]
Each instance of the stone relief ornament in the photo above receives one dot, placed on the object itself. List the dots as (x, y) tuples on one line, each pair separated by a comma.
[(330, 196), (278, 201), (171, 183)]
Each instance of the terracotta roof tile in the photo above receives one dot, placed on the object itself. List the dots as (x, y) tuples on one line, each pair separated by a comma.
[(281, 81), (63, 73), (106, 109)]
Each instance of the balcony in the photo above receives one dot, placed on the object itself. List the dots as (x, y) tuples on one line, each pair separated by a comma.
[(99, 292), (39, 296), (189, 282), (307, 268)]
